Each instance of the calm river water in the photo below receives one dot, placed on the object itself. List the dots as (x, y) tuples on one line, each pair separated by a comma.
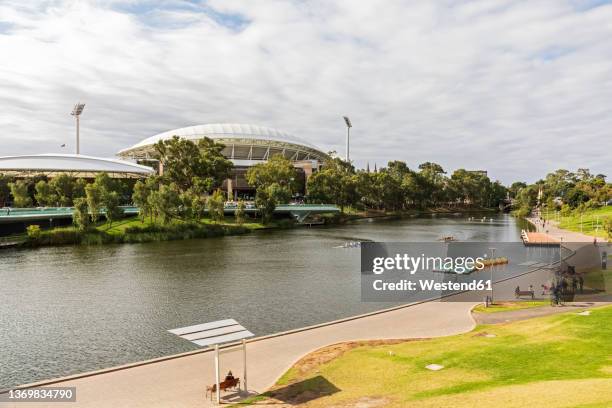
[(67, 310)]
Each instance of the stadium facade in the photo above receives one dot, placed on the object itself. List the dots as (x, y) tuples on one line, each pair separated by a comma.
[(245, 145)]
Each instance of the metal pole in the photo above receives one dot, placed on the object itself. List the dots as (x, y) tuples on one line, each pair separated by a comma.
[(348, 135), (492, 266), (78, 147), (244, 364), (217, 373)]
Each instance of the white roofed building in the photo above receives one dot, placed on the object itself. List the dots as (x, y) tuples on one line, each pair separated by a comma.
[(82, 166), (245, 145)]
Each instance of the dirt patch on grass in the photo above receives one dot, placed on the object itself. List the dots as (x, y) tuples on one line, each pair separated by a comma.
[(326, 354)]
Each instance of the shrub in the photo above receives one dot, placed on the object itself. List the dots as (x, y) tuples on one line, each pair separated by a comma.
[(33, 232)]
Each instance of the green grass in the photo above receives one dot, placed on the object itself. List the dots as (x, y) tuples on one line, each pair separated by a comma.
[(132, 229), (561, 360), (590, 220), (507, 306)]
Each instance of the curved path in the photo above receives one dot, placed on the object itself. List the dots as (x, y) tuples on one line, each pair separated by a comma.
[(180, 382)]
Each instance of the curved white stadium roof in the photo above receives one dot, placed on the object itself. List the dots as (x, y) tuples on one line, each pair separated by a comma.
[(225, 131), (69, 163)]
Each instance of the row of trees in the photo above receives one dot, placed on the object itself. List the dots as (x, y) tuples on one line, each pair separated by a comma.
[(397, 187), (193, 174)]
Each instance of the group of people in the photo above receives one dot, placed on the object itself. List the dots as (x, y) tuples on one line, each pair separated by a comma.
[(564, 286)]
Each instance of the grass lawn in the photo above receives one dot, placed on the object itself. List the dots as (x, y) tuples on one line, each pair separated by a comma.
[(562, 360), (506, 306), (120, 226), (590, 220)]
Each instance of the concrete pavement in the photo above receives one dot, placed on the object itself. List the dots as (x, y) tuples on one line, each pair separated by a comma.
[(181, 382)]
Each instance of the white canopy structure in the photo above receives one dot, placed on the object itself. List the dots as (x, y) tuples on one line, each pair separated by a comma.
[(75, 165), (242, 142), (213, 334)]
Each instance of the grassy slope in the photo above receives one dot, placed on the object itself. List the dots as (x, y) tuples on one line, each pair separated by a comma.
[(589, 221), (556, 361)]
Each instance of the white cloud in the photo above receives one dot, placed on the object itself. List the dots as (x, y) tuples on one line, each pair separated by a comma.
[(518, 88)]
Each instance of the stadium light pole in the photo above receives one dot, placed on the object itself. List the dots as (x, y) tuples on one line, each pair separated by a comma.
[(349, 125), (76, 112)]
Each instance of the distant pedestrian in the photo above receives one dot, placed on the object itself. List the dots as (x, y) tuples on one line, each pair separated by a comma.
[(580, 283)]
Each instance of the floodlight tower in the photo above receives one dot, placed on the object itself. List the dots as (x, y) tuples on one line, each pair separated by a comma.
[(76, 112), (349, 125)]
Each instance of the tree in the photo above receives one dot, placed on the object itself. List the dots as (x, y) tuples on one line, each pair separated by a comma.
[(141, 194), (266, 204), (183, 160), (165, 202), (336, 183), (111, 205), (434, 182), (45, 195), (94, 194), (19, 191), (216, 206), (240, 213), (275, 181), (78, 190), (63, 188), (80, 214), (277, 170), (5, 190)]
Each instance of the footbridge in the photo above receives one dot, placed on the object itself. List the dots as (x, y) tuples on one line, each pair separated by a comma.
[(15, 215)]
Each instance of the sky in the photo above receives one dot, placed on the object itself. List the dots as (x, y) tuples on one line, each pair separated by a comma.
[(519, 88)]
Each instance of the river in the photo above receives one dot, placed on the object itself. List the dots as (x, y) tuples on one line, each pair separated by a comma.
[(66, 310)]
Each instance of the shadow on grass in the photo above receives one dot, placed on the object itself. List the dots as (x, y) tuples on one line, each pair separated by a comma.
[(294, 394)]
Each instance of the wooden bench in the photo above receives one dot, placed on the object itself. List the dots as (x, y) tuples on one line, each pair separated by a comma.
[(225, 385), (519, 293)]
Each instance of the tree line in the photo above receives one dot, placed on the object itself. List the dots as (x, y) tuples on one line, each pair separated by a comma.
[(194, 172), (562, 190)]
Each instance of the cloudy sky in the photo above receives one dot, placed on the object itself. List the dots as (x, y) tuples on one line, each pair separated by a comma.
[(515, 87)]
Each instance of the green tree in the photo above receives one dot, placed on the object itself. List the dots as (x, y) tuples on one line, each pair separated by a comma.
[(277, 170), (5, 190), (216, 206), (141, 194), (240, 213), (165, 202), (79, 189), (21, 196), (266, 204), (45, 195), (63, 188), (80, 214), (113, 211), (183, 160), (94, 195), (335, 184), (274, 181)]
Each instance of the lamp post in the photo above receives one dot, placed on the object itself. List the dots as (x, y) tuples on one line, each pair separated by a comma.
[(76, 112), (492, 266), (349, 125)]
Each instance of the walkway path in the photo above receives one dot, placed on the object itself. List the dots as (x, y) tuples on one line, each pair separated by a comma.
[(180, 382), (552, 229), (524, 314)]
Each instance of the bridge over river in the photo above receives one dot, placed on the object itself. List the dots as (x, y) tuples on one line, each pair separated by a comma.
[(16, 215)]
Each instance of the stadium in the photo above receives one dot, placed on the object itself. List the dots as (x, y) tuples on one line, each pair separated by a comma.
[(245, 145)]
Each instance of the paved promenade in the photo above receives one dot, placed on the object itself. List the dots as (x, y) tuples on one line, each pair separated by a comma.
[(181, 382)]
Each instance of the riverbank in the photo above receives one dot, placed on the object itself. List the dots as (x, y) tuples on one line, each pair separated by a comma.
[(510, 365), (552, 229), (179, 381), (133, 230), (591, 222)]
